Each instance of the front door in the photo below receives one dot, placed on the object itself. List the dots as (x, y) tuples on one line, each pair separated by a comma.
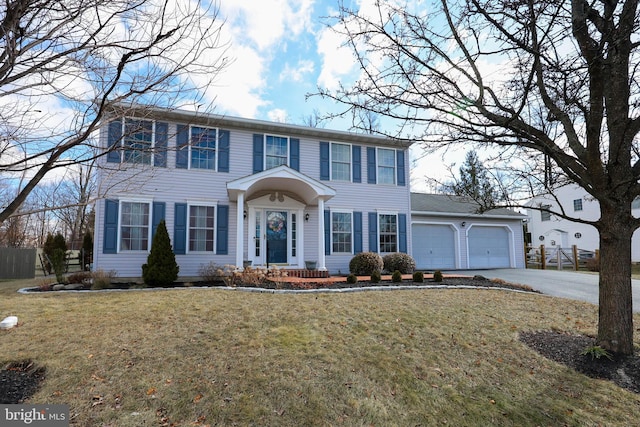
[(276, 227)]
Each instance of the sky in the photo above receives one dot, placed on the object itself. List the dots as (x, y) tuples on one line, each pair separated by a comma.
[(282, 51)]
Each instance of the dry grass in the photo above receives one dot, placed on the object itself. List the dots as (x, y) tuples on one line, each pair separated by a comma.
[(196, 357)]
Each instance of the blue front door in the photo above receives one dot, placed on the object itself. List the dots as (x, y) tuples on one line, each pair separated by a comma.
[(276, 237)]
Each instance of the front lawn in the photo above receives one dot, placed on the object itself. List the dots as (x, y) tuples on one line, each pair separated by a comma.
[(197, 357)]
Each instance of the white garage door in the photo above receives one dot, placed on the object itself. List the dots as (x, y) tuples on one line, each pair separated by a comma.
[(433, 246), (488, 247)]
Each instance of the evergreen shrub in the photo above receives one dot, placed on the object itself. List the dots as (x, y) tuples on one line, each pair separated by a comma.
[(161, 268)]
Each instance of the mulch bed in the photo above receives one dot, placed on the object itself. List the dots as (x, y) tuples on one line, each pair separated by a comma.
[(19, 381)]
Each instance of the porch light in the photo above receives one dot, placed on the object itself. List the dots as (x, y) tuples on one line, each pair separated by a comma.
[(306, 216), (245, 215), (463, 223)]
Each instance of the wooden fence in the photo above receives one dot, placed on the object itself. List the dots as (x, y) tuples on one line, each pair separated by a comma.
[(16, 263), (557, 257)]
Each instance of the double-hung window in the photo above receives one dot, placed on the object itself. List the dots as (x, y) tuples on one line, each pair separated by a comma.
[(340, 162), (134, 226), (137, 141), (577, 205), (203, 147), (388, 232), (276, 151), (545, 215), (341, 232), (201, 228), (386, 166)]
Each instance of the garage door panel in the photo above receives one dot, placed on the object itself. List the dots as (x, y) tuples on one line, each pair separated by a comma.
[(434, 246), (489, 247)]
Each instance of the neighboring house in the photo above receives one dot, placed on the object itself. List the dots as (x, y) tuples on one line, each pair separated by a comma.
[(448, 233), (552, 231), (234, 190)]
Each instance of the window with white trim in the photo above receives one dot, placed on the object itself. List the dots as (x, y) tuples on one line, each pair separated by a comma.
[(135, 226), (201, 228), (276, 151), (203, 147), (386, 159), (388, 232), (545, 215), (341, 232), (340, 162), (577, 205), (137, 142)]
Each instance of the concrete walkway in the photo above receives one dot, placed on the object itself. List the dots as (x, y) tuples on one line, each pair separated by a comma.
[(564, 284)]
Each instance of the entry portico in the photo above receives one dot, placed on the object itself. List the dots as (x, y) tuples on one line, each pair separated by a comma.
[(276, 205)]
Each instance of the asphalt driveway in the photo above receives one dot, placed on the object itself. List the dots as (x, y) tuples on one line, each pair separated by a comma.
[(564, 284)]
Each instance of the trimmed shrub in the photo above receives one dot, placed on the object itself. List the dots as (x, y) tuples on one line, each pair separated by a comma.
[(352, 279), (161, 268), (418, 277), (365, 263), (437, 276), (399, 261), (375, 277), (396, 277)]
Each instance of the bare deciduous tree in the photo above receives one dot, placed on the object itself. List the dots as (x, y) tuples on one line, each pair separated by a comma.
[(545, 82), (65, 64)]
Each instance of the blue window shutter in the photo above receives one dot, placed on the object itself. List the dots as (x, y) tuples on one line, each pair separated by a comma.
[(402, 232), (222, 236), (223, 150), (371, 165), (294, 153), (373, 232), (180, 229), (324, 161), (258, 152), (162, 136), (357, 232), (182, 145), (114, 135), (157, 215), (356, 163), (400, 168), (327, 232), (110, 244)]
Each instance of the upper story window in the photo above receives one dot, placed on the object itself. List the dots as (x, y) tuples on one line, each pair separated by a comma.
[(340, 162), (270, 151), (138, 141), (388, 232), (341, 232), (386, 166), (545, 214), (276, 151), (203, 147), (577, 205), (135, 226)]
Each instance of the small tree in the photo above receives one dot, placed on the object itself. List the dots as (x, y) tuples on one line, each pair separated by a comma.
[(55, 249), (161, 268), (476, 183), (87, 250)]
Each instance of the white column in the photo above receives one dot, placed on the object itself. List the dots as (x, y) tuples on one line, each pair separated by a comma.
[(240, 230), (321, 225)]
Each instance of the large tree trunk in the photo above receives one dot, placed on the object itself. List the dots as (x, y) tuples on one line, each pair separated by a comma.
[(615, 327)]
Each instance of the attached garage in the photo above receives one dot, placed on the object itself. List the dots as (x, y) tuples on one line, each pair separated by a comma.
[(434, 246), (489, 247)]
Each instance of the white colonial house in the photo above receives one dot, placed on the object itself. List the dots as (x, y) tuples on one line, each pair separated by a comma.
[(553, 231), (234, 190), (448, 233)]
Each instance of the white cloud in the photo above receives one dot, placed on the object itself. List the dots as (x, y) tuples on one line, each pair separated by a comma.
[(298, 72), (278, 115), (337, 59)]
